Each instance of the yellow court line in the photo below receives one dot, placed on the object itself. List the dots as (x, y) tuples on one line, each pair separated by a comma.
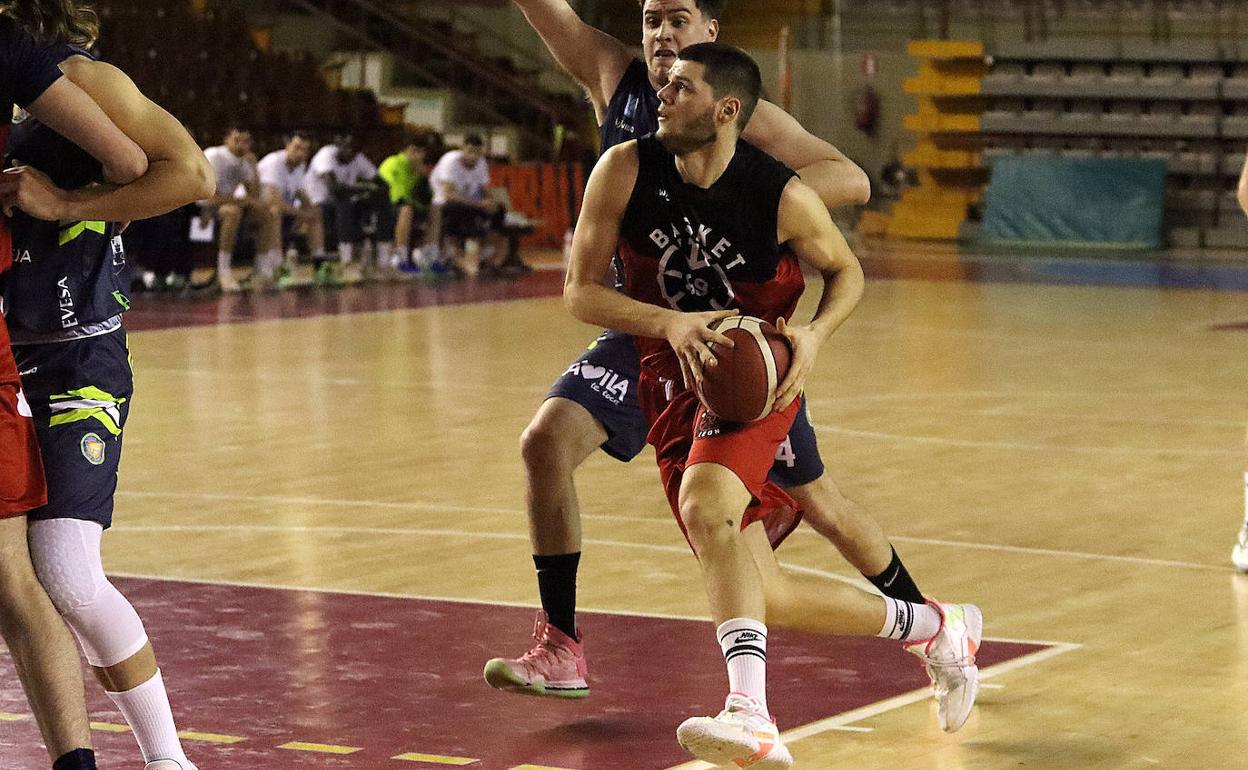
[(191, 735), (434, 759), (13, 717), (109, 727), (320, 748)]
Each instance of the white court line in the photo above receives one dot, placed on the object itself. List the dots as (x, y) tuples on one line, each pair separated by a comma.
[(501, 603), (447, 508), (1057, 448), (841, 721)]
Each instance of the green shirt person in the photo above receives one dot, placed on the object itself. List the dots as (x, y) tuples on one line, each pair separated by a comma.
[(405, 175)]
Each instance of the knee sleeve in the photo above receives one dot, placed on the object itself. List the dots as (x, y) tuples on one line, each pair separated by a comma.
[(66, 555)]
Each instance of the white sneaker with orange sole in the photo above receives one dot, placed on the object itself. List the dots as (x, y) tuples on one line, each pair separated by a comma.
[(742, 735)]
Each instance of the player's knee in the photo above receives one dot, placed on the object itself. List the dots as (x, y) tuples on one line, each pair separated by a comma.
[(548, 446), (229, 213), (66, 557), (706, 522)]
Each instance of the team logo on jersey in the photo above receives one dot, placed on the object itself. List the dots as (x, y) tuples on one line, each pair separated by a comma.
[(693, 275), (92, 448)]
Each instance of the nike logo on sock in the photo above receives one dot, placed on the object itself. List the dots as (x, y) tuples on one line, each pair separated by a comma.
[(889, 582)]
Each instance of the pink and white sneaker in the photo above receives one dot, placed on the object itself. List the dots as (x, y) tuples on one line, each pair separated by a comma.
[(554, 667), (742, 735), (950, 660)]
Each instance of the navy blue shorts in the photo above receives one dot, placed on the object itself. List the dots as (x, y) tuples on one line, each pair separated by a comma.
[(79, 394), (604, 381)]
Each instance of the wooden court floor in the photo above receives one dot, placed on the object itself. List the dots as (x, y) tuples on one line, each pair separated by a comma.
[(1069, 458)]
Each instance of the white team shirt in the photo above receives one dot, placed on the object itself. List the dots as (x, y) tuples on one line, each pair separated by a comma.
[(229, 169), (275, 171), (326, 162), (470, 183)]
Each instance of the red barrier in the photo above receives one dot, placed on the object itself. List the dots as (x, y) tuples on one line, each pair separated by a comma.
[(549, 193)]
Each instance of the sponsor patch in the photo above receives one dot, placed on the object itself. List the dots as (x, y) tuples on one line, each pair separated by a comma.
[(92, 448)]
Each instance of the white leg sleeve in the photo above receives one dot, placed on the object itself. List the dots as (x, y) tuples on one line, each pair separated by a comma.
[(66, 554)]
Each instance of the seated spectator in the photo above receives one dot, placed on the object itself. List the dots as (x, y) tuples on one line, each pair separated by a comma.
[(463, 206), (237, 200), (344, 184), (282, 174), (410, 193)]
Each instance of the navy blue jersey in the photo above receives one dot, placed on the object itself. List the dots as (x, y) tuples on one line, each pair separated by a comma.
[(634, 108), (27, 69), (67, 277)]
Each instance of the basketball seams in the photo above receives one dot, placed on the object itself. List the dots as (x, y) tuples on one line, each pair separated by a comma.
[(755, 329)]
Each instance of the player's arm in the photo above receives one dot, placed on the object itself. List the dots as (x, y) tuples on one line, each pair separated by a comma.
[(67, 110), (1241, 192), (593, 58), (837, 179), (589, 298), (177, 171), (805, 226)]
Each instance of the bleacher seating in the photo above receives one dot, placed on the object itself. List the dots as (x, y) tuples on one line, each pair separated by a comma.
[(157, 42)]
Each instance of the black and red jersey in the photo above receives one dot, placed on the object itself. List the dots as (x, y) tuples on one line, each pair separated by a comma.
[(694, 249)]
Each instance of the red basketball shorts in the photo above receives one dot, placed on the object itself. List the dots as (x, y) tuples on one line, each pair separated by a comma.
[(683, 433), (21, 471)]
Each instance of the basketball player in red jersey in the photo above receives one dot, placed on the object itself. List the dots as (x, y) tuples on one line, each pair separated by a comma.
[(704, 221), (41, 646), (581, 414)]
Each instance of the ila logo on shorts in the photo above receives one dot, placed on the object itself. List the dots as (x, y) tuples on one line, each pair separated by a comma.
[(92, 448), (610, 384)]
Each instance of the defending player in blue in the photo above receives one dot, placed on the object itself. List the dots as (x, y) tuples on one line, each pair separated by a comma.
[(64, 300)]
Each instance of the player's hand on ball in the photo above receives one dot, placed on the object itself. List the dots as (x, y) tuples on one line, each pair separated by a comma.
[(805, 345), (691, 337)]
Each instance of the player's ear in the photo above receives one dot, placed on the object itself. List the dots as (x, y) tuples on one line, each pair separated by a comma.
[(713, 30), (730, 109)]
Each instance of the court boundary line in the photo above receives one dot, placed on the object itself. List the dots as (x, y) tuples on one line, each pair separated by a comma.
[(492, 602)]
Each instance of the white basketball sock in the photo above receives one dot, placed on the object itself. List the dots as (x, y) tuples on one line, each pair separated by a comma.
[(345, 252), (224, 260), (909, 622), (744, 644), (147, 711)]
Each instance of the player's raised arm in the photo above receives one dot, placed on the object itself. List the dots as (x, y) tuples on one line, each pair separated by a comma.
[(177, 171), (593, 58), (837, 179), (805, 226)]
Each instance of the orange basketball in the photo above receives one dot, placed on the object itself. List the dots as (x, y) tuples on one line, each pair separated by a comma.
[(742, 386)]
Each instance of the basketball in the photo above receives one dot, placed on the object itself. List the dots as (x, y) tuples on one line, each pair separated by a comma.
[(742, 386)]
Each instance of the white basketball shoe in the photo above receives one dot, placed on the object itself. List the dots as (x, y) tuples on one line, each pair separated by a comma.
[(950, 660), (742, 735)]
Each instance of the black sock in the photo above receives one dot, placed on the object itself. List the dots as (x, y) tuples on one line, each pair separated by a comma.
[(895, 582), (556, 581), (78, 759)]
